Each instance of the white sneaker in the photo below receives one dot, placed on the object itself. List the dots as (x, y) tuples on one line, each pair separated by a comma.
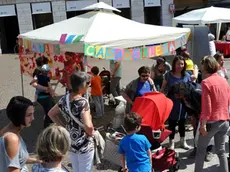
[(171, 144), (183, 144)]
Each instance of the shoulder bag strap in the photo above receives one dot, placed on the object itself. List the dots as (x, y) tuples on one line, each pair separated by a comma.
[(70, 113)]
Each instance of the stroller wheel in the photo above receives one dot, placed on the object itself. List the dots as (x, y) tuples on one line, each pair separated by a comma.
[(171, 169), (109, 127), (175, 167), (111, 103)]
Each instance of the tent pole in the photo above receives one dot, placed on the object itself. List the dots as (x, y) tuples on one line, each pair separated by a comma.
[(86, 70), (218, 31), (22, 85)]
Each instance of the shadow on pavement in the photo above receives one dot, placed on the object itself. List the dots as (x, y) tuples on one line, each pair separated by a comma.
[(213, 168), (106, 165), (186, 159)]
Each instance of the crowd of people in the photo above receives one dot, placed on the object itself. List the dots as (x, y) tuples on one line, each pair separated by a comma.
[(201, 97), (206, 104)]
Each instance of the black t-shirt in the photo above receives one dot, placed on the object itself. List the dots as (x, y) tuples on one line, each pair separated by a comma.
[(43, 80), (36, 72)]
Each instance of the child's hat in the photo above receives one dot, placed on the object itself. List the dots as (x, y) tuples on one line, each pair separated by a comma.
[(45, 68)]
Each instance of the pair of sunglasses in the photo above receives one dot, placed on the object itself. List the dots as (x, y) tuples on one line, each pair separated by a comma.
[(144, 76)]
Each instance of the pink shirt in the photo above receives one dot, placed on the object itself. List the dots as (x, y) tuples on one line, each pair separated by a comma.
[(215, 99)]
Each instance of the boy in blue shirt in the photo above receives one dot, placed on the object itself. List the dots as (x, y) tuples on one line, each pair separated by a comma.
[(135, 148)]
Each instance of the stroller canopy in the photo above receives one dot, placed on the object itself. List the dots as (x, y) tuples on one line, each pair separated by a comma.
[(154, 108)]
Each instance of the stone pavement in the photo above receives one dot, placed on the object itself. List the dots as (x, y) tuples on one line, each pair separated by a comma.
[(10, 85)]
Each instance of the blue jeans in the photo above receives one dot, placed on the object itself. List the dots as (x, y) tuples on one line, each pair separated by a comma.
[(217, 130), (99, 105)]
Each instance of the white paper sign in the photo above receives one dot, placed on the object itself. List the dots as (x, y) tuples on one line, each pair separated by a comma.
[(41, 8), (121, 4), (152, 3), (7, 10), (78, 5)]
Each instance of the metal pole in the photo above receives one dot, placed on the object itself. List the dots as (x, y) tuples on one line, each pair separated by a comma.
[(86, 70), (22, 82), (218, 29)]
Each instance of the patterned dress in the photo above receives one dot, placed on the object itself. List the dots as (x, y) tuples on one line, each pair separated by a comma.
[(80, 141)]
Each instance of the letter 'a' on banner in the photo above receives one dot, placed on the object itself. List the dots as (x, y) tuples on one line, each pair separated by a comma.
[(134, 53)]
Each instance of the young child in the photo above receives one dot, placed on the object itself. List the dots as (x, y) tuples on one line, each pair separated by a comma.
[(191, 68), (96, 91), (52, 145), (189, 62), (135, 148)]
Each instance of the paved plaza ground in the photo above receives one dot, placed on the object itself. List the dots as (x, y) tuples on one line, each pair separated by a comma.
[(10, 85)]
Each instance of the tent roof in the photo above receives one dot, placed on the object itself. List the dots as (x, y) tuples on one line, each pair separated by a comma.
[(101, 5), (104, 29), (204, 16)]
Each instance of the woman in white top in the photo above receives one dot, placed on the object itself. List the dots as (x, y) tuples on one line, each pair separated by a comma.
[(212, 46), (227, 36), (13, 151), (222, 70), (52, 145)]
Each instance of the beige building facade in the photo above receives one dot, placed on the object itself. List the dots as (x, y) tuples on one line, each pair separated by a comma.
[(20, 16)]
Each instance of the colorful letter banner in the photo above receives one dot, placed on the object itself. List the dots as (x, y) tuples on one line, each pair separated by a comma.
[(70, 39), (136, 53)]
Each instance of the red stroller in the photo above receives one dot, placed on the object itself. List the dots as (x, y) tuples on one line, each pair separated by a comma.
[(105, 77), (154, 108)]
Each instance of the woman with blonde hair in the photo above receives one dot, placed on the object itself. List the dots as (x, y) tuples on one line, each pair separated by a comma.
[(52, 145), (214, 116)]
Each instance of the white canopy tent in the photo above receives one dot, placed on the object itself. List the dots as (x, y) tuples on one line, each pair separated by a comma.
[(205, 16), (104, 28)]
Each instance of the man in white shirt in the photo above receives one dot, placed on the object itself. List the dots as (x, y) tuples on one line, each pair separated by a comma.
[(212, 46), (116, 73)]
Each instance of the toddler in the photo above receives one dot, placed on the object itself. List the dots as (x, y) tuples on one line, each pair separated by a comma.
[(52, 145), (135, 148), (96, 91)]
